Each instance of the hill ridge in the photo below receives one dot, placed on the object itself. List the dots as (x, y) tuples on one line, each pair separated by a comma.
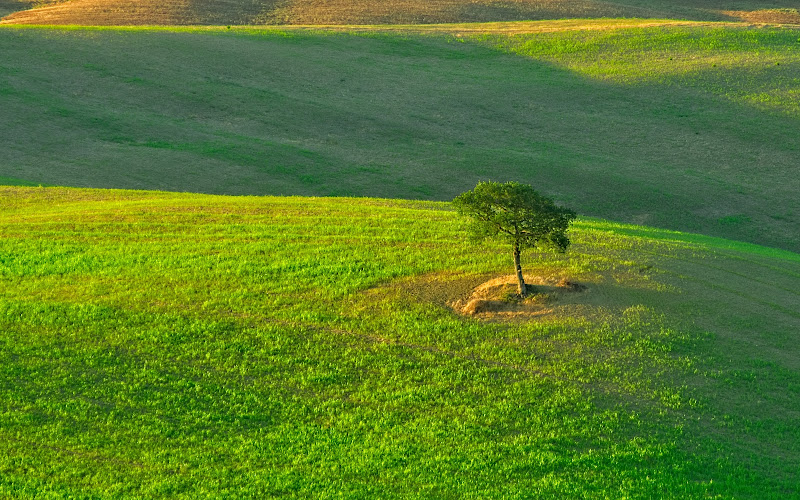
[(342, 12)]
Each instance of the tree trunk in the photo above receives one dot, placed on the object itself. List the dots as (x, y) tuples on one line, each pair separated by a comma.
[(518, 267)]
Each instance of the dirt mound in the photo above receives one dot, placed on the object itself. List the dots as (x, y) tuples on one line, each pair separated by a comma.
[(499, 297)]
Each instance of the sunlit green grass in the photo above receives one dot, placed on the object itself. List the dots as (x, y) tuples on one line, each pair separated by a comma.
[(743, 65), (180, 345), (686, 128)]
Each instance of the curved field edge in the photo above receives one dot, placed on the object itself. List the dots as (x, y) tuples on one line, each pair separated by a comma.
[(180, 345), (499, 27)]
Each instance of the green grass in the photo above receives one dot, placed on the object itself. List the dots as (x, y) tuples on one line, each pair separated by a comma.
[(743, 62), (10, 181), (159, 344), (184, 346), (685, 128)]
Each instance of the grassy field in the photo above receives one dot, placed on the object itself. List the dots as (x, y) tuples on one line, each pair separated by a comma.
[(689, 127), (180, 345), (183, 345), (216, 12)]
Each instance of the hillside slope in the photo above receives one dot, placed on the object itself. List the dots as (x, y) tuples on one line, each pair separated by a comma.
[(170, 12), (158, 345), (685, 127)]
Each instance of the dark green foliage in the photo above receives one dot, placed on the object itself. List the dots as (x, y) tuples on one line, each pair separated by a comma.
[(516, 213)]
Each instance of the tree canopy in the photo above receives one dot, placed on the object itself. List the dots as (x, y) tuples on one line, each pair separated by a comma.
[(518, 214)]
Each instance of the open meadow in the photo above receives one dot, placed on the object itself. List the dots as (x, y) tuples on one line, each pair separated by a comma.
[(182, 346), (271, 296)]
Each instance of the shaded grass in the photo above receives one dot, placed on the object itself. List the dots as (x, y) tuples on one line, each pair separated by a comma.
[(180, 345), (10, 181), (687, 128)]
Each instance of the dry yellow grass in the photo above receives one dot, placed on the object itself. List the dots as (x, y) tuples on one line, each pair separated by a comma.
[(9, 6), (767, 16), (145, 12), (445, 11), (515, 27), (365, 12)]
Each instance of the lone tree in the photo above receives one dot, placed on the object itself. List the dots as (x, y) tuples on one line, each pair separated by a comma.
[(515, 213)]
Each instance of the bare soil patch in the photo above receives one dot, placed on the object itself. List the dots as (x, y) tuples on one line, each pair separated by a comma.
[(499, 297), (552, 294)]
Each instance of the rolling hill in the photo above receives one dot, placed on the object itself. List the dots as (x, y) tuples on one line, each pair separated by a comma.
[(224, 12), (179, 345), (162, 344), (684, 126)]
